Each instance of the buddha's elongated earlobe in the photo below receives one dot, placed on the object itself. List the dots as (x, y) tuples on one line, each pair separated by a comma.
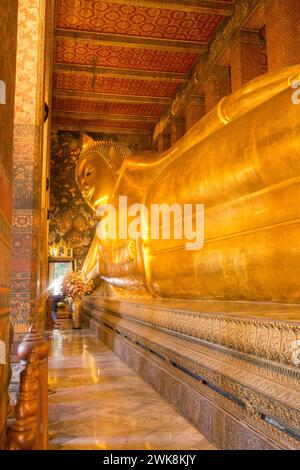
[(116, 158)]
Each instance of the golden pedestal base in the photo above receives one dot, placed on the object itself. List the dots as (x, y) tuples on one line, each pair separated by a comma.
[(226, 366)]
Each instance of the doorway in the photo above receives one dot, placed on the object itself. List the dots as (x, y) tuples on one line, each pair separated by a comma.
[(57, 271)]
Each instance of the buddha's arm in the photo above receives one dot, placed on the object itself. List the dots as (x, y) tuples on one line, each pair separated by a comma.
[(90, 267), (141, 168)]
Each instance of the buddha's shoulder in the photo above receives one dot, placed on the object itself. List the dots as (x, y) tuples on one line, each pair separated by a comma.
[(143, 157)]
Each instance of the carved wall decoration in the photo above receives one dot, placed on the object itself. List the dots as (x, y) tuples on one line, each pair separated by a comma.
[(249, 332)]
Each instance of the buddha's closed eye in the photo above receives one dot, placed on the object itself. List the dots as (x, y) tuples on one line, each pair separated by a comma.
[(88, 173)]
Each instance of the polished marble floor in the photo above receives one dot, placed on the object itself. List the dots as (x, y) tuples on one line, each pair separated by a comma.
[(97, 402)]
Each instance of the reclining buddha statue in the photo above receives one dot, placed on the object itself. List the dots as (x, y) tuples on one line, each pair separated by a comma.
[(242, 162)]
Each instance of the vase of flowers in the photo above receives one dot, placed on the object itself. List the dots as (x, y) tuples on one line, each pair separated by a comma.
[(74, 289)]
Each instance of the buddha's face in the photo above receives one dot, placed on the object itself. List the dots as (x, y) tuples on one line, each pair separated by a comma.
[(96, 180)]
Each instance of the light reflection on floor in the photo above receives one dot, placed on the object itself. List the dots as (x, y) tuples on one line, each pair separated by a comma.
[(100, 403)]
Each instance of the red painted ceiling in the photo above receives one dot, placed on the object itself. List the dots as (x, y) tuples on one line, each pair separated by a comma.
[(105, 17), (83, 82), (88, 106), (107, 48), (74, 51)]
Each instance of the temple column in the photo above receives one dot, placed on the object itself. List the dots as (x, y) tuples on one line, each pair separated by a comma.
[(194, 111), (8, 35), (177, 130), (28, 165), (163, 142), (246, 58), (282, 33), (217, 86)]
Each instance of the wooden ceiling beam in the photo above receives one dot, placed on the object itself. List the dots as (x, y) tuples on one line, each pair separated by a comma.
[(129, 74), (105, 117), (104, 39), (110, 98), (83, 127), (211, 7)]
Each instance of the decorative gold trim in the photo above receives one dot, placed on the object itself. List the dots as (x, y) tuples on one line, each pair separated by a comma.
[(248, 390), (262, 337)]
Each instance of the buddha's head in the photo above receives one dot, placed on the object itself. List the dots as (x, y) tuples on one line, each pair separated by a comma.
[(97, 168)]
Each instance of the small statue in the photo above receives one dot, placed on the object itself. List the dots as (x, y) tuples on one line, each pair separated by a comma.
[(242, 162)]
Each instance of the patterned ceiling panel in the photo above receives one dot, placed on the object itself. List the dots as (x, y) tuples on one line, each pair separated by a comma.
[(137, 48), (83, 82), (106, 17), (87, 106), (102, 124), (83, 52)]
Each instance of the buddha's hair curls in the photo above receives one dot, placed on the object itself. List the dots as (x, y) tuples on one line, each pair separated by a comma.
[(102, 148)]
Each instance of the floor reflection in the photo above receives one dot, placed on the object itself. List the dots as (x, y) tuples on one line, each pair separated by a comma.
[(100, 403)]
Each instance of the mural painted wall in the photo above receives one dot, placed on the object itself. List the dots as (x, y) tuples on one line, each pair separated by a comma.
[(8, 35), (71, 220)]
